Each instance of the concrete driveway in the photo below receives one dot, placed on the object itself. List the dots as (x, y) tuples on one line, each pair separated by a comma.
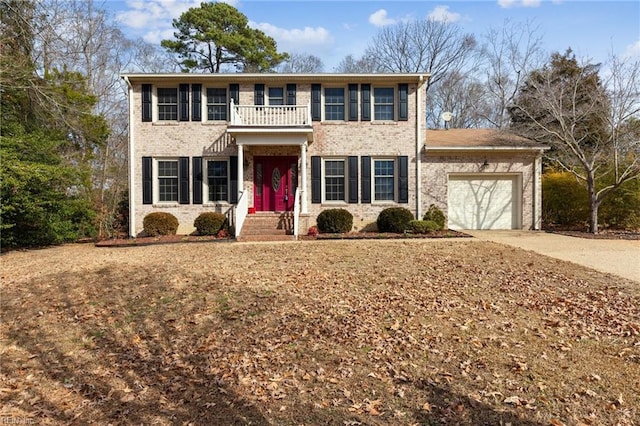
[(619, 257)]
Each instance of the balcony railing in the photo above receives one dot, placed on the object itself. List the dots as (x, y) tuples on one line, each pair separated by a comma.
[(270, 115)]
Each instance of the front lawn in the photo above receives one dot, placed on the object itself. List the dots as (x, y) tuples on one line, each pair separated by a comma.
[(372, 332)]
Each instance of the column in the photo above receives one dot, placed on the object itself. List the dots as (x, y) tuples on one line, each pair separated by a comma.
[(240, 171), (303, 181)]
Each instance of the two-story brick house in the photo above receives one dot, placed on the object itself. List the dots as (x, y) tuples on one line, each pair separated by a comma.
[(256, 143)]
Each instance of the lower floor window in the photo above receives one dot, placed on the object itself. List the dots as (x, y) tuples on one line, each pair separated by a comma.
[(384, 180), (168, 180), (334, 180), (218, 180)]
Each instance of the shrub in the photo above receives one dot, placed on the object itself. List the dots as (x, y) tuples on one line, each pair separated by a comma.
[(210, 223), (423, 226), (160, 223), (564, 201), (394, 219), (335, 221), (434, 214)]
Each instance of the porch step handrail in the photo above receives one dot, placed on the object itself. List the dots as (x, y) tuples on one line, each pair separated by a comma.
[(296, 213), (241, 211), (270, 115)]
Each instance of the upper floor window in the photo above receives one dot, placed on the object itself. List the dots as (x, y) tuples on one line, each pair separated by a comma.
[(168, 180), (334, 180), (276, 96), (167, 104), (334, 103), (383, 106), (216, 104), (384, 180)]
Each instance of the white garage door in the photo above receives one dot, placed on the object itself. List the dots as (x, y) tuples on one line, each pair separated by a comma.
[(483, 202)]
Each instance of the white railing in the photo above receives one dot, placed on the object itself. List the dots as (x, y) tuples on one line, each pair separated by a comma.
[(270, 115), (296, 213), (242, 208)]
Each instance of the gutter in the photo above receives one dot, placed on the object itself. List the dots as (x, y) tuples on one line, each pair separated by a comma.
[(132, 195), (484, 149)]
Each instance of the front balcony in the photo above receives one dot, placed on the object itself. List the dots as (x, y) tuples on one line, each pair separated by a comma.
[(271, 120)]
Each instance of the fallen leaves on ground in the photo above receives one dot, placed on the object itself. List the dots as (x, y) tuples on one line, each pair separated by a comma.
[(338, 332)]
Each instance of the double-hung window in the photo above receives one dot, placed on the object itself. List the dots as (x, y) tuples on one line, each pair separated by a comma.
[(384, 180), (276, 96), (383, 106), (334, 180), (216, 104), (334, 103), (168, 180), (218, 180), (167, 104)]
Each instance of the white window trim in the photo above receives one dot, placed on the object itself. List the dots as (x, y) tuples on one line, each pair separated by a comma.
[(324, 181), (204, 113), (268, 98), (156, 107), (345, 92), (373, 103), (373, 180), (156, 182), (205, 181)]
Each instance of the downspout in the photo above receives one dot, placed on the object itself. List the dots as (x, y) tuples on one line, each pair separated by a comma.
[(419, 143), (537, 192), (132, 195)]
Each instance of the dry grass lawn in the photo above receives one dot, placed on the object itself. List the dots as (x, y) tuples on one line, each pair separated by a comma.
[(336, 332)]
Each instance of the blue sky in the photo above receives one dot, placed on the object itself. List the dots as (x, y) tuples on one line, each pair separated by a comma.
[(333, 29)]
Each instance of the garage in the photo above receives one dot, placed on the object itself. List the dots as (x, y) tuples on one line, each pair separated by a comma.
[(484, 201)]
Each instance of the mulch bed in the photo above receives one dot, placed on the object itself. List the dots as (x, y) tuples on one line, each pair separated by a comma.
[(605, 234), (163, 239)]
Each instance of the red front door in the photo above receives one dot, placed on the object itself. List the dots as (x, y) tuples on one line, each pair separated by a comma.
[(274, 183)]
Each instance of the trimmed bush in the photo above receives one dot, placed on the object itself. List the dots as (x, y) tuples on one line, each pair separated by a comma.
[(160, 223), (564, 201), (210, 223), (434, 214), (334, 221), (423, 226), (394, 219)]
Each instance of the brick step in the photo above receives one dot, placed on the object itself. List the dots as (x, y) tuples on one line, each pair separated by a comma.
[(256, 238), (267, 227)]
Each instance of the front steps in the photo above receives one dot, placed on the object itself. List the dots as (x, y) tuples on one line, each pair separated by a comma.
[(267, 226)]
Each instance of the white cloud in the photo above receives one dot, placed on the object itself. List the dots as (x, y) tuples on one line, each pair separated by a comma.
[(442, 14), (518, 3), (154, 15), (380, 18), (632, 50), (306, 35)]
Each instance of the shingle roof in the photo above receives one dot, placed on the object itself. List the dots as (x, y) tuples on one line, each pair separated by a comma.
[(476, 138)]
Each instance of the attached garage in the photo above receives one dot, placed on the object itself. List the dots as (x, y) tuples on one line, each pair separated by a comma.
[(483, 202), (483, 178)]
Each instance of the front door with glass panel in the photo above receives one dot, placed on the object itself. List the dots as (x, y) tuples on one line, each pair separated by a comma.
[(274, 183)]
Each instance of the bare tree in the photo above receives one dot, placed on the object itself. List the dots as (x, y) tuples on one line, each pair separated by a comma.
[(590, 123), (352, 65), (299, 63), (509, 54), (427, 46), (461, 95)]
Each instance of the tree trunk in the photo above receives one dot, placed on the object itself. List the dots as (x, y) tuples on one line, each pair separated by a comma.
[(594, 203)]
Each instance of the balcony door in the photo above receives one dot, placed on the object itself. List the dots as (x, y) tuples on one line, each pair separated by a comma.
[(274, 183)]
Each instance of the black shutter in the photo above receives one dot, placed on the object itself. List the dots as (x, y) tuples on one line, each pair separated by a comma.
[(316, 179), (147, 180), (259, 94), (184, 102), (316, 99), (147, 90), (234, 93), (196, 102), (291, 94), (197, 180), (403, 179), (353, 102), (403, 104), (365, 103), (233, 178), (353, 179), (365, 170), (183, 172)]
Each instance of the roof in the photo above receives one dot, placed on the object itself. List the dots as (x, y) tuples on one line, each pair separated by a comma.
[(258, 77), (477, 139)]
